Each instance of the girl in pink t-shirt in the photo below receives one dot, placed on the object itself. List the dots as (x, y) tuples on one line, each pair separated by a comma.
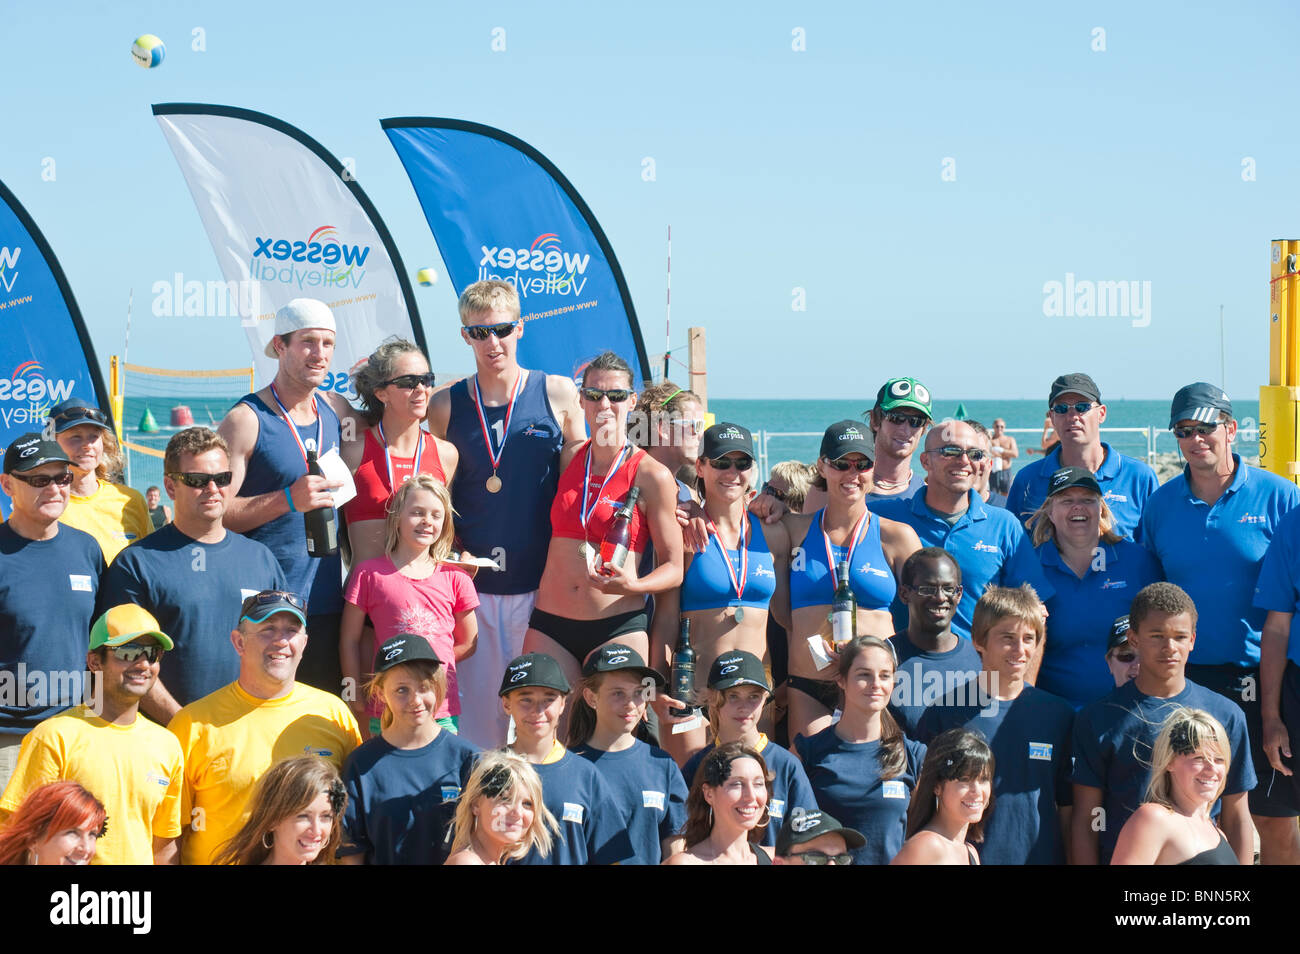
[(411, 589)]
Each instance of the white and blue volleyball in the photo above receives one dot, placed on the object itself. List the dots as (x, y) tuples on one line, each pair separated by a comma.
[(148, 51), (426, 277)]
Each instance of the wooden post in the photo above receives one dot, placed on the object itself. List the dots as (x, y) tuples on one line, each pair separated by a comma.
[(698, 366)]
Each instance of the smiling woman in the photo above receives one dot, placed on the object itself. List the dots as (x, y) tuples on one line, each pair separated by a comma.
[(293, 817)]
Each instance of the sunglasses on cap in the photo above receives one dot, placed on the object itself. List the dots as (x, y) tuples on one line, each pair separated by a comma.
[(1200, 430), (481, 332), (409, 382), (911, 420), (130, 652), (41, 481), (741, 464), (952, 451), (200, 480), (862, 465), (81, 414), (270, 598), (1082, 407), (615, 395)]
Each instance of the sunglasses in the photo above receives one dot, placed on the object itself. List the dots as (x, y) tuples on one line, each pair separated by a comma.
[(1082, 407), (843, 465), (41, 481), (741, 464), (693, 424), (911, 420), (198, 481), (773, 492), (1200, 430), (952, 451), (270, 597), (409, 382), (481, 332), (615, 395), (81, 414), (821, 858), (1125, 658), (130, 652), (946, 590)]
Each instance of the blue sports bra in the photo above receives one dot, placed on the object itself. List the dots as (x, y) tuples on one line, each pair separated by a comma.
[(870, 576), (707, 585)]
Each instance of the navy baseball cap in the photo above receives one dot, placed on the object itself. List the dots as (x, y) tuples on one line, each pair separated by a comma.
[(76, 411), (29, 451), (737, 669), (615, 657), (533, 669), (1068, 477), (1074, 383), (803, 826), (1199, 402), (722, 439), (403, 648), (1118, 633), (262, 606), (847, 437)]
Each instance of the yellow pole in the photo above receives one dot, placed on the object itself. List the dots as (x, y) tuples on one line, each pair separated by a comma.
[(116, 396), (1279, 400)]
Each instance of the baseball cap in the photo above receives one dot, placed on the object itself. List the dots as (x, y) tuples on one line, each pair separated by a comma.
[(615, 657), (904, 392), (1068, 477), (76, 411), (261, 606), (737, 669), (299, 314), (1198, 402), (1118, 633), (803, 826), (123, 623), (846, 437), (533, 669), (721, 439), (403, 648), (29, 451), (1074, 383)]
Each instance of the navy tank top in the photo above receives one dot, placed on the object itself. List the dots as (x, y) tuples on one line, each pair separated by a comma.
[(276, 463), (512, 526), (707, 585), (869, 575)]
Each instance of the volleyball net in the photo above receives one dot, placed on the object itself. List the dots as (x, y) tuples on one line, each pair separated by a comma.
[(152, 404)]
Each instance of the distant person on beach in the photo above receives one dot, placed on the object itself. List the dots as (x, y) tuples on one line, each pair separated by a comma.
[(899, 420), (1210, 527), (508, 425), (159, 513), (1049, 438), (1076, 412), (112, 513), (269, 434), (191, 575), (1005, 450)]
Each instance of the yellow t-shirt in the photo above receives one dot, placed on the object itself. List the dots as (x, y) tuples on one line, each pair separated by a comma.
[(115, 515), (135, 770), (230, 739)]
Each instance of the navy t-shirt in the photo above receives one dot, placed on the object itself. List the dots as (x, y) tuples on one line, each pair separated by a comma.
[(47, 606), (790, 787), (924, 678), (1030, 737), (648, 783), (593, 823), (402, 802), (194, 590), (1112, 748), (846, 780)]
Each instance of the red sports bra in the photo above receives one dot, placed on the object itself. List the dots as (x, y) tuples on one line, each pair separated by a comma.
[(565, 520), (371, 478)]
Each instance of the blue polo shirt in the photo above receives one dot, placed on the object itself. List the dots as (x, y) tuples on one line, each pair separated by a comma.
[(1113, 738), (924, 678), (593, 824), (1215, 552), (1279, 581), (1030, 737), (1081, 612), (649, 785), (989, 545), (1126, 483)]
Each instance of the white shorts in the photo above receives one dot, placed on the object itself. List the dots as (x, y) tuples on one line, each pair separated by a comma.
[(502, 622)]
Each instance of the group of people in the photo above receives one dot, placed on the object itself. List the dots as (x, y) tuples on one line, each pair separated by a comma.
[(1074, 665)]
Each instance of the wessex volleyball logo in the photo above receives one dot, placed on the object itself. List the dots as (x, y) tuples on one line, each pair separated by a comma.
[(9, 266), (561, 272), (27, 383), (337, 264)]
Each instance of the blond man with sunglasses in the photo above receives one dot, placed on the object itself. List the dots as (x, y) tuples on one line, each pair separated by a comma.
[(49, 575), (192, 574), (131, 764)]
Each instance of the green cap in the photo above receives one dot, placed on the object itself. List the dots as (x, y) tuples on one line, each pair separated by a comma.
[(904, 392), (124, 623)]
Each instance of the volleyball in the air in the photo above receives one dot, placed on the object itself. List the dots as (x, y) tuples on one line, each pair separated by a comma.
[(148, 51), (426, 277)]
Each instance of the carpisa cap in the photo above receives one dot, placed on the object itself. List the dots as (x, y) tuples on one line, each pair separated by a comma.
[(721, 439), (847, 437)]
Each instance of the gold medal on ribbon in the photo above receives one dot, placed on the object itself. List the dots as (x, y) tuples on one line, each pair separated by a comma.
[(493, 484)]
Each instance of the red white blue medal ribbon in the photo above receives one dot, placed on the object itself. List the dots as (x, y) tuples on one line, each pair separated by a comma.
[(293, 428), (495, 458), (588, 505), (859, 529), (388, 459), (743, 545)]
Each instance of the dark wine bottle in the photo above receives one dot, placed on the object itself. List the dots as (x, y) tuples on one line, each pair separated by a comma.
[(321, 524), (684, 671)]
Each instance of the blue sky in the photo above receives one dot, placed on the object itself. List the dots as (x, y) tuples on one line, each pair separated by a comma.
[(820, 169)]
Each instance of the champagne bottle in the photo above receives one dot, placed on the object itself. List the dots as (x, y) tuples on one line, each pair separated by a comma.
[(684, 671), (321, 524), (844, 608), (613, 549)]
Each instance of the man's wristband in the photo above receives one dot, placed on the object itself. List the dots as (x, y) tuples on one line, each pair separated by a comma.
[(289, 497)]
